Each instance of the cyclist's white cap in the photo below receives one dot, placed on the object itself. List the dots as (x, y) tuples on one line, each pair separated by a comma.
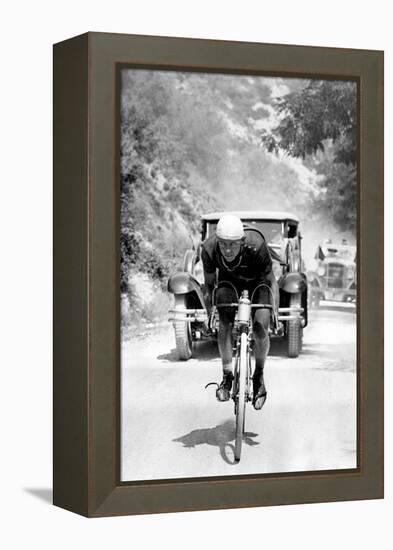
[(230, 228)]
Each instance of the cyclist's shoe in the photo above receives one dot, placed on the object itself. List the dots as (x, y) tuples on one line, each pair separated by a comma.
[(223, 391), (259, 392)]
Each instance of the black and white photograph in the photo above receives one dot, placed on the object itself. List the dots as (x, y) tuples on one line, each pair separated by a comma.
[(237, 275), (137, 135)]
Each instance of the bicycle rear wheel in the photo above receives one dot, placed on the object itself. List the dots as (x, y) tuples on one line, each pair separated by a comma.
[(241, 396)]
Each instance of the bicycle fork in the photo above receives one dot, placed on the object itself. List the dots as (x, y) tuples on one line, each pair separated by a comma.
[(235, 386)]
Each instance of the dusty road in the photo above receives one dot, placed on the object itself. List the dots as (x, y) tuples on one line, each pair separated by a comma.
[(172, 427)]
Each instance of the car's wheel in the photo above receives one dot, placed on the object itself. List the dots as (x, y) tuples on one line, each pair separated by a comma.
[(183, 335), (294, 329)]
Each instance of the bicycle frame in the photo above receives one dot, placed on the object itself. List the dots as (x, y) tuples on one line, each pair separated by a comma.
[(241, 387)]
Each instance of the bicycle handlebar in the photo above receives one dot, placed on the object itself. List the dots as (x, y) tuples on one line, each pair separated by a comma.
[(253, 306)]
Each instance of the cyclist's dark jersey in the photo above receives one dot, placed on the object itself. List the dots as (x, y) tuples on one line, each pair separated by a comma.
[(249, 268)]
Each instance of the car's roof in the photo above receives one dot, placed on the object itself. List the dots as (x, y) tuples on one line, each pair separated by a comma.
[(253, 215), (350, 249)]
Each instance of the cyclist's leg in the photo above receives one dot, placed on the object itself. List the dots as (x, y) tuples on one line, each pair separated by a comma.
[(226, 318), (261, 337), (261, 324)]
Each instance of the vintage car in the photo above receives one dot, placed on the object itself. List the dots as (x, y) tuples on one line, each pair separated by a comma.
[(333, 276), (281, 232)]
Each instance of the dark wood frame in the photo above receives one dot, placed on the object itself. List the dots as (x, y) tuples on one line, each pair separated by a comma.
[(86, 275)]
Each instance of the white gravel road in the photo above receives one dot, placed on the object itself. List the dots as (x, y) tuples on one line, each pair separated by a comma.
[(172, 427)]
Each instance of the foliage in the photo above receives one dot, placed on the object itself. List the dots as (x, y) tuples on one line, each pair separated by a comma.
[(162, 144), (323, 110), (320, 119), (339, 196)]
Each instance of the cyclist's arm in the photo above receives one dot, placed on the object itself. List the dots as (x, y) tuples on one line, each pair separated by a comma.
[(209, 272), (263, 260), (265, 266), (274, 287)]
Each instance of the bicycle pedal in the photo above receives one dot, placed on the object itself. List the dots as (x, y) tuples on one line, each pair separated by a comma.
[(212, 384)]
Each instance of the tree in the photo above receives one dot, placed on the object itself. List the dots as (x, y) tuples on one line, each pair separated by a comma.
[(323, 111), (322, 118)]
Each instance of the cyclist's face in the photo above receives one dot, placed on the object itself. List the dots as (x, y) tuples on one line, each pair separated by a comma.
[(229, 249)]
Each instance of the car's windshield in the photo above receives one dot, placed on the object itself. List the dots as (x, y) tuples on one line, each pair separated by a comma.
[(271, 230)]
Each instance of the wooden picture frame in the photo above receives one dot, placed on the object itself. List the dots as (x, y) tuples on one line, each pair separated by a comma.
[(86, 275)]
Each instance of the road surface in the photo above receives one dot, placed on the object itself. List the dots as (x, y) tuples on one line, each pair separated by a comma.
[(171, 427)]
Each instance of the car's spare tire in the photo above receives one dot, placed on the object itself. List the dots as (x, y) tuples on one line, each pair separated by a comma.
[(183, 335)]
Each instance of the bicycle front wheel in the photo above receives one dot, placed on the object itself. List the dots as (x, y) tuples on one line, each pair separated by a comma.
[(241, 396)]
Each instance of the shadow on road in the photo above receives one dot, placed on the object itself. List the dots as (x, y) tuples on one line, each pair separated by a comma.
[(202, 351), (172, 356), (219, 436), (207, 351), (318, 350), (278, 347)]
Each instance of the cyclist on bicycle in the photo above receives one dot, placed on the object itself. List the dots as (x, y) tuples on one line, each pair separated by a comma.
[(242, 260)]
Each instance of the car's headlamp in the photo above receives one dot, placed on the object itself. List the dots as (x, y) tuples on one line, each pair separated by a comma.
[(321, 270)]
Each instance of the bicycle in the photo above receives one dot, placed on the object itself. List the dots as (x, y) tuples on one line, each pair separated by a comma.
[(242, 382)]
